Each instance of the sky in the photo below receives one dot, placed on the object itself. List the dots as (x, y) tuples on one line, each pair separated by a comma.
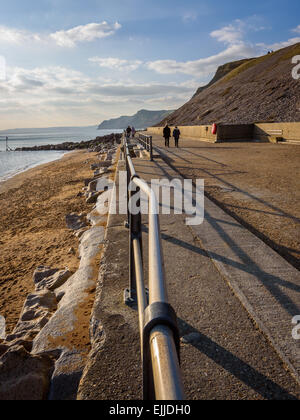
[(79, 62)]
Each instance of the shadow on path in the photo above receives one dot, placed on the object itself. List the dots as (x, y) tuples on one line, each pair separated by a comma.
[(255, 380)]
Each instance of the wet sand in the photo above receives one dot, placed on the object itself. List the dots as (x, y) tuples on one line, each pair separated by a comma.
[(33, 231)]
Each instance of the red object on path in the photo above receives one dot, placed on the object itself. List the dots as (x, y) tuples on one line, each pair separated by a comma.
[(214, 129)]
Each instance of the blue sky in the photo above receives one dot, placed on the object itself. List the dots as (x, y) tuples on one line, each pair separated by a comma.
[(71, 62)]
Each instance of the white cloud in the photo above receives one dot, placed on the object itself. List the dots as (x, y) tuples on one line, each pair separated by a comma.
[(58, 95), (84, 33), (139, 89), (57, 81), (69, 38), (279, 45), (2, 68), (229, 34), (232, 35), (204, 66), (236, 31), (16, 36), (297, 30), (237, 48), (117, 63)]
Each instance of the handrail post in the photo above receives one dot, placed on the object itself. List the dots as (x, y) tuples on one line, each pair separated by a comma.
[(128, 181), (135, 231), (151, 149)]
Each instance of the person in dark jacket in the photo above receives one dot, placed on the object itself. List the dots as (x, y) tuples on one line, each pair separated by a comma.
[(176, 135), (167, 135), (128, 132)]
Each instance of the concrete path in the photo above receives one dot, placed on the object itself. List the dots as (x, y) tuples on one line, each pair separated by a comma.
[(225, 355), (267, 285), (257, 183)]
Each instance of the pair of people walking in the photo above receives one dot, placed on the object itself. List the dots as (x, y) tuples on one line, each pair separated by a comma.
[(167, 135), (130, 132)]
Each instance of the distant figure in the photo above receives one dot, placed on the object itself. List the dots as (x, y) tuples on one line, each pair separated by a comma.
[(128, 132), (133, 131), (176, 135), (167, 135)]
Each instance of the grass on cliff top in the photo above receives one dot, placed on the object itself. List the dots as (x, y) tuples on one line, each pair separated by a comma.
[(288, 55), (294, 50), (246, 66)]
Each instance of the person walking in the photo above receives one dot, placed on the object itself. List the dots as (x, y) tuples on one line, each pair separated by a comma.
[(133, 132), (128, 132), (167, 135), (176, 135)]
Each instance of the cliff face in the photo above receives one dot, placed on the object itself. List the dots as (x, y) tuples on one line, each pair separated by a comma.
[(257, 90), (142, 119), (221, 72)]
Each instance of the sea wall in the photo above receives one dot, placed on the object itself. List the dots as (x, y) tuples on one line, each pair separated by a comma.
[(201, 132), (265, 132), (268, 131)]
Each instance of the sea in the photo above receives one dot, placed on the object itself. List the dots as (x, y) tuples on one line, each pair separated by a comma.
[(13, 163)]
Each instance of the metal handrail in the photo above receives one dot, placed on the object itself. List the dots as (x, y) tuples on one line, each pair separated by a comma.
[(161, 370), (147, 142)]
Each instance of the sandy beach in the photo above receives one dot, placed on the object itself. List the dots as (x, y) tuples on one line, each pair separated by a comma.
[(33, 230)]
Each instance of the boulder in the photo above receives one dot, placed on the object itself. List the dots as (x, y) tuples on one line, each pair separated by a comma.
[(80, 232), (95, 218), (87, 181), (93, 185), (75, 221), (24, 376), (43, 299), (27, 344), (64, 323), (36, 324), (2, 328), (102, 164), (97, 149), (53, 281), (43, 272), (14, 339), (93, 197), (37, 311)]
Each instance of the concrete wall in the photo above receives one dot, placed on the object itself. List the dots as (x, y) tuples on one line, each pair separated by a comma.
[(288, 131), (265, 132), (235, 132), (200, 132)]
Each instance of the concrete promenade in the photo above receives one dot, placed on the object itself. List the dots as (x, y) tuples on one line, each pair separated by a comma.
[(234, 298)]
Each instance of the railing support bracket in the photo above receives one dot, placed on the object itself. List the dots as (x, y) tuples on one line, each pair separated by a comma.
[(130, 298), (156, 314)]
